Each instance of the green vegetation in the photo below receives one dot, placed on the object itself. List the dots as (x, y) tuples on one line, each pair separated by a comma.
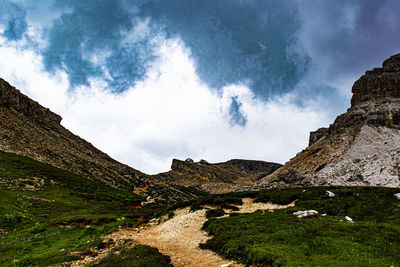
[(280, 239), (215, 200), (47, 213), (138, 256), (215, 213)]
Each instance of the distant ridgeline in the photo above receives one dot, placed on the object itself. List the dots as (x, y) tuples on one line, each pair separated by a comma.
[(218, 177), (362, 146)]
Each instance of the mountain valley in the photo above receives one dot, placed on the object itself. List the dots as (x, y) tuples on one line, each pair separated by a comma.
[(66, 203)]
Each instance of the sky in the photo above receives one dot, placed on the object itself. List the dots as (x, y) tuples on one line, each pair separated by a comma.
[(151, 80)]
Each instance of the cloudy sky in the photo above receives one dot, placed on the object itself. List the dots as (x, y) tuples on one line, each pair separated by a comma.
[(151, 80)]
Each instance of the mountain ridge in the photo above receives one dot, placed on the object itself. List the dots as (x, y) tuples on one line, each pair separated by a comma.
[(217, 177), (29, 129), (362, 145)]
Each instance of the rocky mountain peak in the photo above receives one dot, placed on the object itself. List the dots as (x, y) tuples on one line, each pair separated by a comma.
[(392, 64), (362, 145), (12, 98), (379, 82)]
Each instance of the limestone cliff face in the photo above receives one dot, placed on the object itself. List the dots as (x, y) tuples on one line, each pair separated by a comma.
[(379, 82), (218, 177), (362, 146), (27, 128)]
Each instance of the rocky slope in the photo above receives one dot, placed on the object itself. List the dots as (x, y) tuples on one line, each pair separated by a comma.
[(214, 177), (362, 146), (27, 128)]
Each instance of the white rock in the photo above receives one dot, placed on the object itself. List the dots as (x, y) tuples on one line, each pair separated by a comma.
[(305, 213), (397, 195), (349, 219), (330, 194)]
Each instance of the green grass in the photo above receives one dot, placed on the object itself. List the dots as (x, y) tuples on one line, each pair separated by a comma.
[(138, 256), (67, 213), (280, 239)]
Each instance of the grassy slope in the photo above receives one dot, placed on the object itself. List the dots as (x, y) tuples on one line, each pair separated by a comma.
[(279, 238), (41, 232), (138, 256)]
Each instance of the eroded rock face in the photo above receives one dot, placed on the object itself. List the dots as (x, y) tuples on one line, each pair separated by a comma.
[(218, 177), (361, 147), (256, 169), (379, 82), (375, 101), (12, 98)]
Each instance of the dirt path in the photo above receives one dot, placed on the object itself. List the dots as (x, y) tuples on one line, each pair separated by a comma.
[(180, 236)]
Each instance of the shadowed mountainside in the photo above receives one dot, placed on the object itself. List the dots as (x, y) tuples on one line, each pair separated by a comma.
[(28, 129)]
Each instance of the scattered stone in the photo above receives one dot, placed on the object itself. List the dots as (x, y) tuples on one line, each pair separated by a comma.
[(305, 213), (229, 264), (148, 201), (349, 219), (330, 194), (397, 195), (38, 199)]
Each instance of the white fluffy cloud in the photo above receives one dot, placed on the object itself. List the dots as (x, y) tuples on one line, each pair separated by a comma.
[(170, 114)]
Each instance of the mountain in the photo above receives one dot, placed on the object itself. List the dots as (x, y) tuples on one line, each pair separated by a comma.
[(217, 177), (28, 129), (362, 146)]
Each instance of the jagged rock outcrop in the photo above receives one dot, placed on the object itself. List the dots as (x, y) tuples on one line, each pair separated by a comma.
[(12, 98), (362, 146), (379, 82), (27, 128), (218, 177)]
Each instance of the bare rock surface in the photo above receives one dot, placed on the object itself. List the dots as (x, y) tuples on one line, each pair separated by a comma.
[(379, 82), (218, 177), (361, 147)]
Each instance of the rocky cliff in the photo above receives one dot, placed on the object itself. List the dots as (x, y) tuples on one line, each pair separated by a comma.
[(362, 146), (27, 128), (218, 177)]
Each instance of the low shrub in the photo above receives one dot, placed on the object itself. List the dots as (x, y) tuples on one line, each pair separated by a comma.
[(138, 256), (11, 220), (215, 213)]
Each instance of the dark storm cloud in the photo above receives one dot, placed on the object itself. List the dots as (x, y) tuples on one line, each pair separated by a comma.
[(236, 41), (304, 47), (12, 16), (348, 37), (95, 28), (231, 41)]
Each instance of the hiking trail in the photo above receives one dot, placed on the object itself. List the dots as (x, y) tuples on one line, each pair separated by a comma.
[(180, 236)]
